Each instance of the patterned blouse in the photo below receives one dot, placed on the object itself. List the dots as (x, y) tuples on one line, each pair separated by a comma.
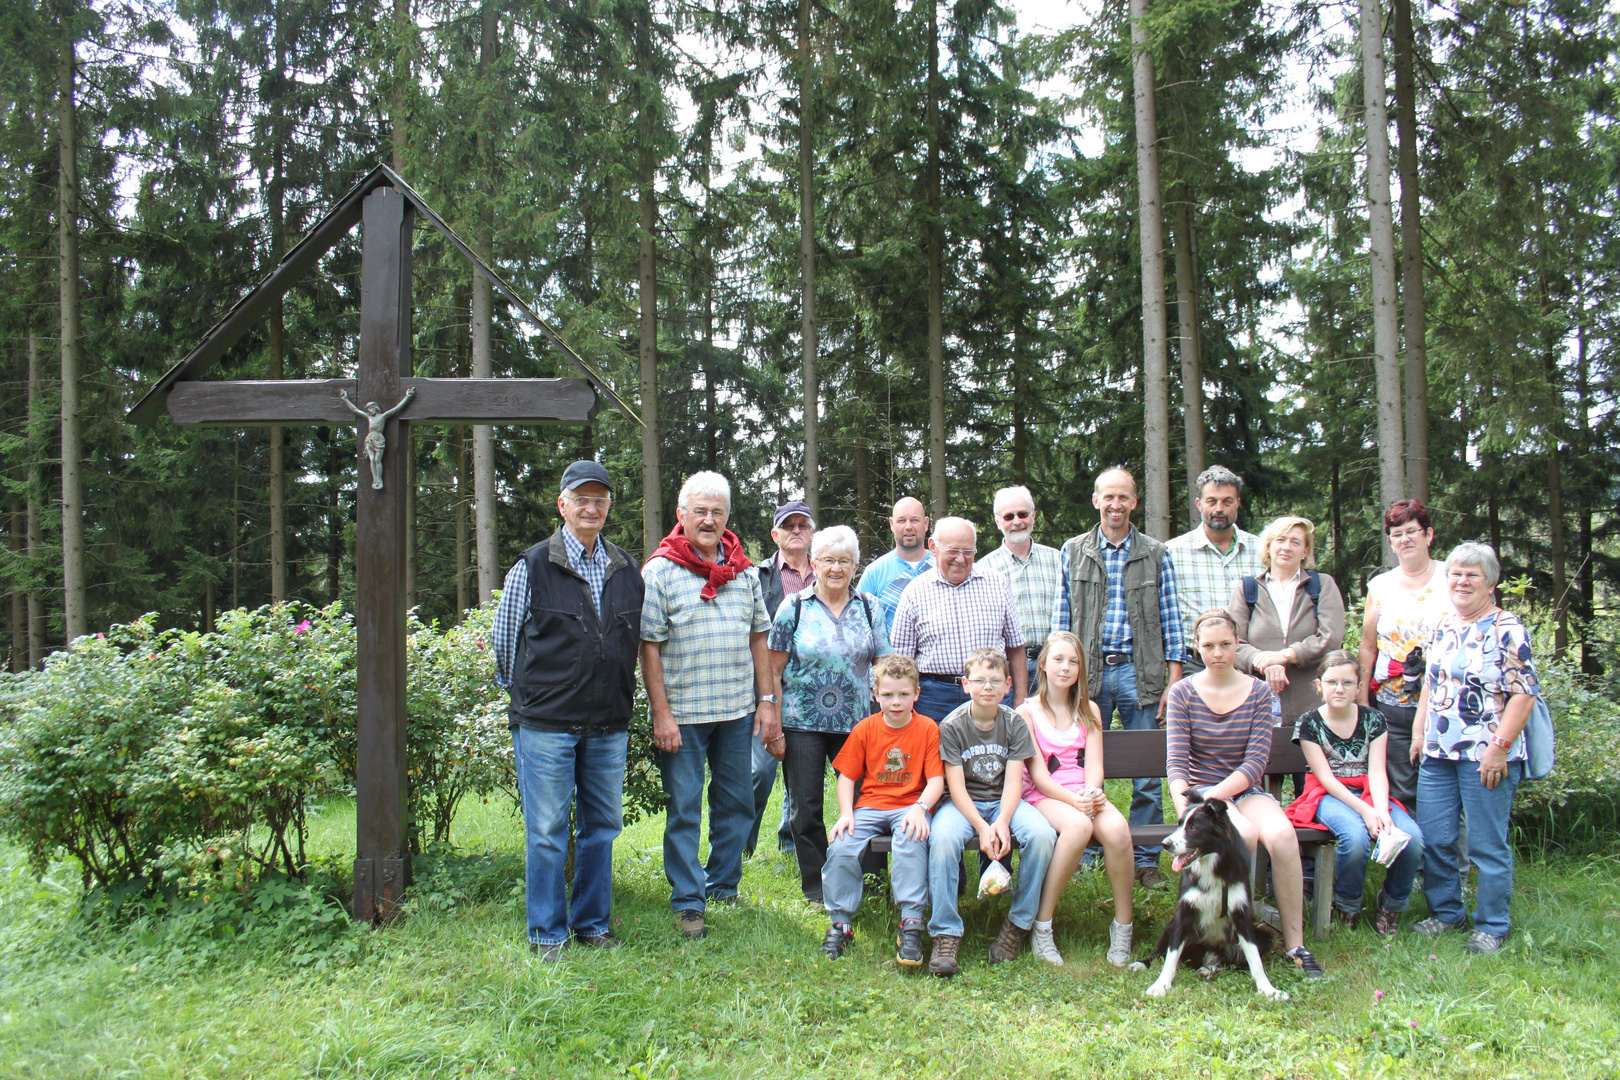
[(827, 684), (1473, 669), (1406, 618)]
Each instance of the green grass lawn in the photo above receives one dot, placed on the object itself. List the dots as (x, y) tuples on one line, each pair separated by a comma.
[(455, 992)]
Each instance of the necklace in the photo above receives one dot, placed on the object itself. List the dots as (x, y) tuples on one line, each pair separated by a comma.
[(1427, 566)]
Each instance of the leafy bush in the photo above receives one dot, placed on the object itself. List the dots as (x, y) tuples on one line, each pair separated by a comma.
[(1576, 807)]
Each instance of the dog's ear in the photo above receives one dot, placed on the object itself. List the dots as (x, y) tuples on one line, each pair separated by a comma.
[(1194, 797)]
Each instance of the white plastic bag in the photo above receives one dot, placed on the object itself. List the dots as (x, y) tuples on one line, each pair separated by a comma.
[(994, 880)]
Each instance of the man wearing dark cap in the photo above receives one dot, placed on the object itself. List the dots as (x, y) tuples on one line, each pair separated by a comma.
[(780, 577), (566, 634)]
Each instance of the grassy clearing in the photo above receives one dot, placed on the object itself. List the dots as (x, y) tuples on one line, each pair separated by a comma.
[(454, 992)]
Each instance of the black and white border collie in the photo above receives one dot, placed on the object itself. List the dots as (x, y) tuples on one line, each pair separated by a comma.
[(1213, 923)]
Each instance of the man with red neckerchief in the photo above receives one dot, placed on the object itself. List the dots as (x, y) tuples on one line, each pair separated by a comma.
[(709, 693)]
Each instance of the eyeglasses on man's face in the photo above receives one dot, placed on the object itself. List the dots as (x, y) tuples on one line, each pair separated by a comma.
[(985, 684), (594, 502), (1017, 515)]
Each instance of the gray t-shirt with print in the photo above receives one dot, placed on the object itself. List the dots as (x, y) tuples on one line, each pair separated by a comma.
[(983, 754)]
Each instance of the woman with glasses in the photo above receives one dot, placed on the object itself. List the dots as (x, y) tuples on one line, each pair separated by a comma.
[(822, 645)]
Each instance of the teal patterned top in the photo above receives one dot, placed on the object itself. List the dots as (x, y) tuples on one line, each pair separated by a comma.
[(827, 684)]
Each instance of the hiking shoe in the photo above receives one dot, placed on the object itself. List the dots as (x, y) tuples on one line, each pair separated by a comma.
[(942, 960), (549, 953), (1119, 943), (1387, 923), (1149, 877), (908, 945), (598, 941), (1432, 927), (1302, 958), (1481, 942), (839, 935), (1042, 945), (690, 924), (1008, 942)]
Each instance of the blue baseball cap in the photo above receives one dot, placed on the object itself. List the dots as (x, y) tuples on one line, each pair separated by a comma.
[(583, 472)]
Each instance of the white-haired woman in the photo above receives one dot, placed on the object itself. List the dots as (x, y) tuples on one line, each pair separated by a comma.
[(1478, 688), (1288, 616), (822, 645)]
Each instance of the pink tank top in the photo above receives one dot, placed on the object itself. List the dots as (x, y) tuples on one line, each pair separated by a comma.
[(1063, 751)]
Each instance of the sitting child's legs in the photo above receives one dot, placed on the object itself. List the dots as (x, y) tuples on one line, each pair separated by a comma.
[(908, 869), (948, 835), (841, 873), (1114, 833), (1036, 842), (1073, 834), (1397, 894), (1352, 845)]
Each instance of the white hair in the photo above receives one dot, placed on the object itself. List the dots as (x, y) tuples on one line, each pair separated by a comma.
[(1007, 494), (1478, 555), (952, 522), (837, 540), (711, 484)]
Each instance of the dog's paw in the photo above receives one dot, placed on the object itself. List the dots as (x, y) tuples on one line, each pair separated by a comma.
[(1136, 965), (1275, 994), (1157, 990), (1209, 971)]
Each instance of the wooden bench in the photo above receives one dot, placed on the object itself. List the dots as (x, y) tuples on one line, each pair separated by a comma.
[(1129, 755)]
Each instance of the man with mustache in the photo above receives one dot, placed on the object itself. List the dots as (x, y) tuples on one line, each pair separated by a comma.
[(1211, 559), (1031, 569)]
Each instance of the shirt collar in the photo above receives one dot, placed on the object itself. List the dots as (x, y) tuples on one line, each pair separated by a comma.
[(576, 546), (1123, 545)]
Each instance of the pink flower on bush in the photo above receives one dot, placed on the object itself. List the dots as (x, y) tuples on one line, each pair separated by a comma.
[(1378, 995), (302, 628)]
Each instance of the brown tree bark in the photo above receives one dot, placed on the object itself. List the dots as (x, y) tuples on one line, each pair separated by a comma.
[(75, 608), (1150, 228), (278, 333), (1413, 325), (652, 516), (807, 269), (483, 308), (36, 512), (937, 494), (1381, 255)]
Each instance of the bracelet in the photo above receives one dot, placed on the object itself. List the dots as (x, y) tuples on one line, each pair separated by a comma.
[(1501, 743)]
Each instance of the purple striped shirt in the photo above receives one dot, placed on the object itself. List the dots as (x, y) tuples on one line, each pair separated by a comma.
[(1204, 747)]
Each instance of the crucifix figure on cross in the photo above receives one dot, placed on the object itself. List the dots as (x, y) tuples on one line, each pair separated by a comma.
[(386, 207)]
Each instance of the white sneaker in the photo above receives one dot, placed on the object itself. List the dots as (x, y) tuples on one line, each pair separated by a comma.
[(1042, 945), (1119, 943)]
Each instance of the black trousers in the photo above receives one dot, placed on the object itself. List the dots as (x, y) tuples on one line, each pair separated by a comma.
[(804, 768)]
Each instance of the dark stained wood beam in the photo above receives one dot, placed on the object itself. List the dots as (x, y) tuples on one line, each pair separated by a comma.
[(262, 402)]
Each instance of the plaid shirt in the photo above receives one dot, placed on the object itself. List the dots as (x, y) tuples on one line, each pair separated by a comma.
[(704, 644), (938, 623), (1205, 578), (513, 610), (1035, 582), (1116, 631)]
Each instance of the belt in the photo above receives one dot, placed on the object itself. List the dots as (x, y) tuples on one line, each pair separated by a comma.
[(929, 676), (1114, 659)]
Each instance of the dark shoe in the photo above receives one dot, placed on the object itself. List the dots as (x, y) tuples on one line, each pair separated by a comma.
[(813, 897), (1149, 877), (690, 924), (1387, 922), (598, 941), (839, 935), (1481, 942), (942, 961), (1008, 943), (1342, 918), (1432, 927), (725, 901), (549, 953), (908, 946), (1302, 958)]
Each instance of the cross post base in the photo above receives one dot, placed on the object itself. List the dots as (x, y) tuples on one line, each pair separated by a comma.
[(379, 889)]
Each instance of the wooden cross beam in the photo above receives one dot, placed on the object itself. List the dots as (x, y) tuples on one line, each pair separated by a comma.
[(384, 388)]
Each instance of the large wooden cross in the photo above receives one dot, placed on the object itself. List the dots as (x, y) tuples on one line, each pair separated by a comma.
[(391, 400)]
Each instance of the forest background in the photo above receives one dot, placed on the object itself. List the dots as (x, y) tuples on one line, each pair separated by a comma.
[(843, 249)]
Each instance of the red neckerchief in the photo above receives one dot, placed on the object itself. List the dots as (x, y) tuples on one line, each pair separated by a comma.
[(678, 549)]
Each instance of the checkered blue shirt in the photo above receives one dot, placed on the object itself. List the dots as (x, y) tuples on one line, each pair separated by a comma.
[(1116, 631), (938, 623), (1034, 580), (513, 609)]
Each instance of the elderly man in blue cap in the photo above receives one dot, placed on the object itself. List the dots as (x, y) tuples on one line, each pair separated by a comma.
[(780, 576), (567, 633)]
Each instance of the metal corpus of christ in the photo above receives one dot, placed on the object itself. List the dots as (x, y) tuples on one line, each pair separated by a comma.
[(387, 397)]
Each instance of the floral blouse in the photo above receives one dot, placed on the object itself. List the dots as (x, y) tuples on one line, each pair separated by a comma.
[(1473, 668)]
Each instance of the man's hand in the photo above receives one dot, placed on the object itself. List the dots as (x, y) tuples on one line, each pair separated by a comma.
[(844, 824), (915, 824), (666, 732), (767, 722)]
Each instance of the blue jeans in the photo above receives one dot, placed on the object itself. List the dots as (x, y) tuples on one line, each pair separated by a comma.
[(1118, 693), (1446, 790), (951, 831), (554, 769), (724, 747), (908, 866), (936, 700), (1354, 846)]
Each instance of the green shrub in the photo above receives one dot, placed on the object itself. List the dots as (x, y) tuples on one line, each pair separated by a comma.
[(1575, 808)]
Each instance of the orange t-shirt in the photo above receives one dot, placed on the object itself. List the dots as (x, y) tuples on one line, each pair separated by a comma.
[(892, 764)]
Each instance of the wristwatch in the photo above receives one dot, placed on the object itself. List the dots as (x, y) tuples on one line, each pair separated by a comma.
[(763, 698)]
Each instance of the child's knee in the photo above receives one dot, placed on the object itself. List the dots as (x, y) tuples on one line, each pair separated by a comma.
[(1354, 845)]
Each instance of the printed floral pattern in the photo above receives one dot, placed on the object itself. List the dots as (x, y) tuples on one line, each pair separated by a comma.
[(1473, 669), (826, 685)]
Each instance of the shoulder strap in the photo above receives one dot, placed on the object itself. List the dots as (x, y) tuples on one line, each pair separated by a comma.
[(1251, 589), (1313, 589), (793, 634)]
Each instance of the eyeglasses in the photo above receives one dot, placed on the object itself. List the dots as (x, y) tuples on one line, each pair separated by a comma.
[(985, 684), (803, 526), (701, 515), (1017, 515), (1339, 684), (836, 564), (595, 502), (956, 553)]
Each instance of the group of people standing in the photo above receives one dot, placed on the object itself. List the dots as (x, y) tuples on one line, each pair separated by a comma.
[(751, 669)]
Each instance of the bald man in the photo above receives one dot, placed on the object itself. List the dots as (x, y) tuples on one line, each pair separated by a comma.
[(889, 574)]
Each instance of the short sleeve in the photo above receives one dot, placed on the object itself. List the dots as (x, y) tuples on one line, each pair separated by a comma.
[(931, 763), (1305, 729), (762, 618), (851, 759), (1019, 743), (782, 627), (950, 742), (654, 607), (1373, 723), (1518, 670)]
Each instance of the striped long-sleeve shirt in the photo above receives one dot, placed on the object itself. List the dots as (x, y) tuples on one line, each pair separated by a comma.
[(1204, 747)]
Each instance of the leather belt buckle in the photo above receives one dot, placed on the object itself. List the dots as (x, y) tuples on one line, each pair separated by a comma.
[(1115, 659)]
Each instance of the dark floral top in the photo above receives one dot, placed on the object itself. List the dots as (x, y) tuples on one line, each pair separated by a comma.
[(1345, 757)]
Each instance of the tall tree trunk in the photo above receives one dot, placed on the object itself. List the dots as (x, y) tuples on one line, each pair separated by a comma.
[(1381, 233), (18, 530), (863, 493), (807, 270), (1553, 428), (1412, 316), (1192, 362), (236, 525), (483, 307), (652, 516), (937, 495), (36, 490), (398, 136), (278, 332), (1150, 226), (1587, 574), (208, 619), (75, 609), (458, 448), (1336, 518)]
